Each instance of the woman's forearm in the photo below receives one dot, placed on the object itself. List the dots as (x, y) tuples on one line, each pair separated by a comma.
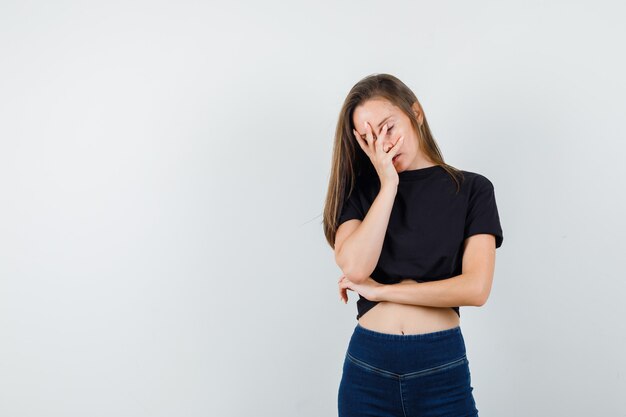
[(360, 252), (460, 290)]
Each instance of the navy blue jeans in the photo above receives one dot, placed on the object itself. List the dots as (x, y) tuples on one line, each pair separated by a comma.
[(414, 375)]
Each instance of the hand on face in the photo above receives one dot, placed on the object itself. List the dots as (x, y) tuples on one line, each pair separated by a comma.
[(381, 159)]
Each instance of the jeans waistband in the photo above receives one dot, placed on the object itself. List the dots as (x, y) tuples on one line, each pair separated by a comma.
[(455, 331), (400, 353)]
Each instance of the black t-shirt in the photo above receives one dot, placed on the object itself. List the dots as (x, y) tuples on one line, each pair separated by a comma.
[(428, 224)]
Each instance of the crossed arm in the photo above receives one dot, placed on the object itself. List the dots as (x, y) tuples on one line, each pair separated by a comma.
[(470, 288)]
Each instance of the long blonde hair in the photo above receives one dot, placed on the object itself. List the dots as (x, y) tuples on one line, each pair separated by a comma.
[(349, 160)]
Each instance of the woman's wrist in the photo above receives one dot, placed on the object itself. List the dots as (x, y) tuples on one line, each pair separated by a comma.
[(389, 188), (382, 291)]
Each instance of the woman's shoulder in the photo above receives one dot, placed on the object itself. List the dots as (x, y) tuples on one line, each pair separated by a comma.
[(475, 178), (476, 183)]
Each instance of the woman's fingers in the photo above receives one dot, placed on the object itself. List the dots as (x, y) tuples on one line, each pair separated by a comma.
[(360, 141), (369, 137), (343, 289), (394, 149), (376, 144), (379, 143), (343, 294)]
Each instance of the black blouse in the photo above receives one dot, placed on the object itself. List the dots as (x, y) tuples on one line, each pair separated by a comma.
[(428, 224)]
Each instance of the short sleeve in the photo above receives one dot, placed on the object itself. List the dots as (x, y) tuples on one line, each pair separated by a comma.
[(352, 208), (482, 212)]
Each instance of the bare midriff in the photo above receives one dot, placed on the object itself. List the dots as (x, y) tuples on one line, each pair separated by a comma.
[(395, 318)]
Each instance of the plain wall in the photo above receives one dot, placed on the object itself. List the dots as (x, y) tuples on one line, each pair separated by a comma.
[(164, 167)]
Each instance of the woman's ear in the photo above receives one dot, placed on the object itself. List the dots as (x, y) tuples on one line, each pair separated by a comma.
[(418, 112)]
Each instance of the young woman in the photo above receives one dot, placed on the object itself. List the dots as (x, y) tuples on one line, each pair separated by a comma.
[(416, 238)]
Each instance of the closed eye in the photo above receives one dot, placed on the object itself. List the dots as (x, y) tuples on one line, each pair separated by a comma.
[(388, 129)]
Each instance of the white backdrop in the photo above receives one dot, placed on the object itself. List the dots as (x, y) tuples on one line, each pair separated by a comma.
[(163, 169)]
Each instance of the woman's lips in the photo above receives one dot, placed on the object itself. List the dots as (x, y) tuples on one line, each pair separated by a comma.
[(395, 158)]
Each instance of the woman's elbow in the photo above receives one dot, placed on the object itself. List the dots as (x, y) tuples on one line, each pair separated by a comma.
[(347, 267), (355, 275), (481, 298)]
